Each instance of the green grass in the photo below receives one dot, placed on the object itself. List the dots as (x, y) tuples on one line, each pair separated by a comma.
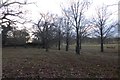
[(34, 62)]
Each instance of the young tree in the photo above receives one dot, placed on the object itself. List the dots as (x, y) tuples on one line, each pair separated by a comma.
[(45, 27), (75, 13), (103, 25), (67, 31), (85, 30), (59, 25)]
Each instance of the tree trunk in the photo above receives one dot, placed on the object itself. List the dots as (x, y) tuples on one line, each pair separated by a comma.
[(46, 40), (4, 38), (102, 47), (77, 42), (15, 40), (67, 41), (80, 41), (59, 40), (43, 43), (59, 45)]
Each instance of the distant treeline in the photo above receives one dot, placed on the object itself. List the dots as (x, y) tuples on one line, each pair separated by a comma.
[(37, 44), (24, 45)]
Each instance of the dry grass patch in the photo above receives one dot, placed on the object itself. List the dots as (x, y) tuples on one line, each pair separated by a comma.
[(33, 62)]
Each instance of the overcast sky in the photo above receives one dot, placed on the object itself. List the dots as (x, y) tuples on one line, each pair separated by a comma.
[(53, 6)]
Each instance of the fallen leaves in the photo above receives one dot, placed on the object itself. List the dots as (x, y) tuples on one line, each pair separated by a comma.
[(57, 64)]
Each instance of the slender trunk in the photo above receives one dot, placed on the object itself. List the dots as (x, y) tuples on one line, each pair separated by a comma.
[(80, 44), (102, 47), (15, 40), (80, 41), (59, 40), (67, 41), (80, 38), (46, 40), (4, 38), (77, 42), (43, 42), (59, 44)]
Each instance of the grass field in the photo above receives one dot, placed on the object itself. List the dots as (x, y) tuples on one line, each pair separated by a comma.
[(34, 62)]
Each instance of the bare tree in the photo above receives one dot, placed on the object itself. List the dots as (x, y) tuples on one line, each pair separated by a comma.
[(45, 27), (75, 13), (59, 24), (10, 15), (85, 30), (103, 25), (67, 31)]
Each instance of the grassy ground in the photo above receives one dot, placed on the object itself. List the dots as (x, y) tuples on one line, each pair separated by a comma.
[(33, 62)]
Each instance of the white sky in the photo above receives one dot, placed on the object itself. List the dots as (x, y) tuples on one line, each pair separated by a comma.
[(53, 6)]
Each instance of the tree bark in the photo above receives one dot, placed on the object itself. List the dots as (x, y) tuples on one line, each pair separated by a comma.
[(4, 38), (102, 46), (77, 42), (59, 40), (67, 41), (80, 41), (59, 44), (46, 40)]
